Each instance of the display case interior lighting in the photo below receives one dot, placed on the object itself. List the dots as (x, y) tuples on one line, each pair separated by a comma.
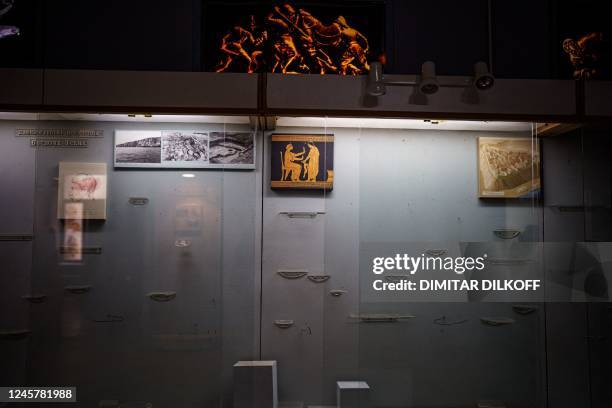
[(322, 124), (428, 83), (116, 117), (144, 115)]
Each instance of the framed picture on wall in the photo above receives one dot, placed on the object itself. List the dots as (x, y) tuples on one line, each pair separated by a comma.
[(508, 167), (184, 149), (83, 184), (302, 162)]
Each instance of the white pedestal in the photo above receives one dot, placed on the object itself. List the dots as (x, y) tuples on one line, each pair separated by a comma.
[(255, 384), (353, 394)]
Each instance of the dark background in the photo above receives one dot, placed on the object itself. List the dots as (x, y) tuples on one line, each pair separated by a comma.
[(167, 35)]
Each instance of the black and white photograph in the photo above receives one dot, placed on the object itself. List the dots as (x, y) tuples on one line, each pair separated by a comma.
[(178, 146), (137, 148), (232, 148), (176, 149)]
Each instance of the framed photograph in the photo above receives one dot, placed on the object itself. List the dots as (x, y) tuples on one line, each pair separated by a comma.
[(83, 184), (137, 148), (302, 161), (508, 167), (180, 149), (232, 148)]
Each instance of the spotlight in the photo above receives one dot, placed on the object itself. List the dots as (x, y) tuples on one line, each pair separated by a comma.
[(376, 84), (483, 79), (429, 84)]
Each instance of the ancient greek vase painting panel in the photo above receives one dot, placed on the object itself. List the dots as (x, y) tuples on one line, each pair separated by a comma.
[(508, 167), (293, 37), (83, 183), (302, 161)]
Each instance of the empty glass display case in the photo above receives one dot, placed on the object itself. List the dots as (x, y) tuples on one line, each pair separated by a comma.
[(143, 256)]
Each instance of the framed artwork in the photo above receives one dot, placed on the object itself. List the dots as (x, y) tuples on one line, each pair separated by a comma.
[(182, 149), (83, 184), (302, 161), (508, 167)]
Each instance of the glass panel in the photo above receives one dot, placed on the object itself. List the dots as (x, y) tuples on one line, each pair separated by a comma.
[(156, 302), (439, 194), (294, 285), (411, 187), (194, 270)]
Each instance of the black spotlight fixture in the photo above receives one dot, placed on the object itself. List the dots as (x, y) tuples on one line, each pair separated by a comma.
[(483, 79)]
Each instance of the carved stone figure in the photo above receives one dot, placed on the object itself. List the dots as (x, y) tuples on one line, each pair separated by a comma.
[(584, 54), (293, 41)]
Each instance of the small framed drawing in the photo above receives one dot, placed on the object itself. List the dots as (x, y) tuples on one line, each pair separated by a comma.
[(302, 162), (83, 183), (508, 167), (184, 149)]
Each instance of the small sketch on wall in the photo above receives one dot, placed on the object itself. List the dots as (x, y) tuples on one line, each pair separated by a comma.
[(85, 187), (508, 167), (83, 183), (302, 162)]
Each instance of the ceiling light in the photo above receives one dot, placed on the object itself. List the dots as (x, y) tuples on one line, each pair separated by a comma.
[(188, 175), (483, 79)]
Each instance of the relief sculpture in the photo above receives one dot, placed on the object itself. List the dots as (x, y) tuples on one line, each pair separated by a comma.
[(292, 40)]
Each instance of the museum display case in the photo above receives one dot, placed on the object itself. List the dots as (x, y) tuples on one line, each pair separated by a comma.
[(401, 186), (147, 254), (154, 274)]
